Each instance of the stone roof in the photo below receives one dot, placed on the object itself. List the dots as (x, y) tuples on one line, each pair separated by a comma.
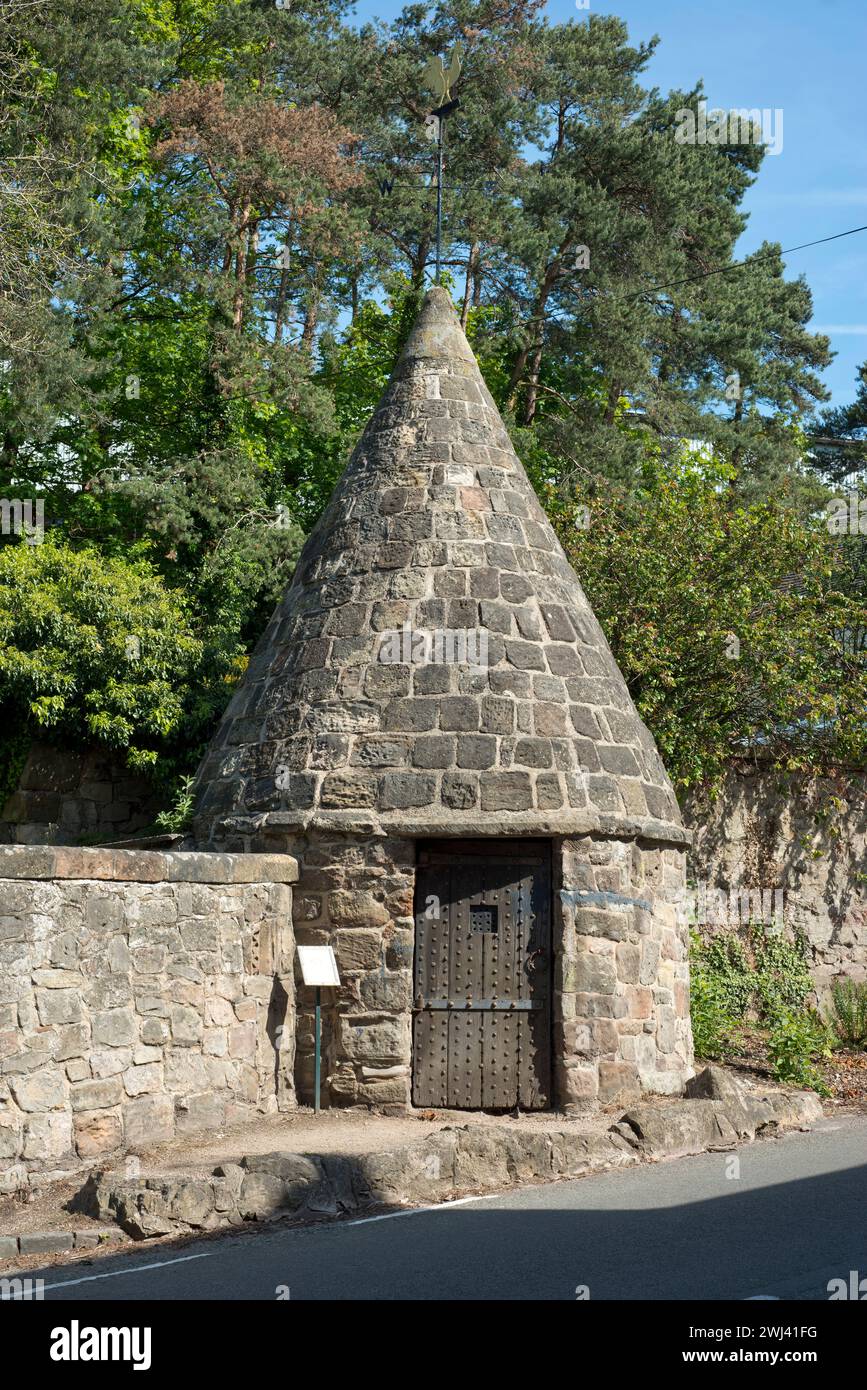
[(434, 528)]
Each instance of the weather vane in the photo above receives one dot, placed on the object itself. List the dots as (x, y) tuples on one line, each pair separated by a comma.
[(440, 79)]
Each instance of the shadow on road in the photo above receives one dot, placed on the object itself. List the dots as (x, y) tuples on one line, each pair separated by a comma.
[(638, 1234)]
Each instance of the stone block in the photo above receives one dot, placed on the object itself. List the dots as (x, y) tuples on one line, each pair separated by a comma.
[(262, 1195), (154, 1031), (594, 973), (103, 913), (579, 1086), (506, 791), (13, 1179), (10, 1135), (357, 950), (45, 1242), (147, 1121), (476, 751), (481, 1161), (242, 1041), (356, 908), (96, 1095), (86, 1240), (374, 1043), (46, 1090), (434, 751), (628, 958), (672, 1131), (139, 1080), (200, 1112), (58, 979), (115, 1027), (459, 793), (618, 1083), (389, 993), (48, 1137), (411, 715), (405, 790), (58, 1006), (298, 1174), (97, 1132), (186, 1025)]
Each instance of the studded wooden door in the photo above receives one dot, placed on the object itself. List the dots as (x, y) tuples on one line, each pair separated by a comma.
[(482, 987)]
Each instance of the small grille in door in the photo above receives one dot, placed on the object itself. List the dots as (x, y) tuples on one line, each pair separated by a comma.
[(483, 919)]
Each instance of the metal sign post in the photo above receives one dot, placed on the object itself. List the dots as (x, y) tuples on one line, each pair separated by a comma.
[(317, 1054), (319, 969)]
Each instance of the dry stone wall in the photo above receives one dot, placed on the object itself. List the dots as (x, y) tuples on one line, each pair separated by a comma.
[(63, 795), (142, 996), (802, 844)]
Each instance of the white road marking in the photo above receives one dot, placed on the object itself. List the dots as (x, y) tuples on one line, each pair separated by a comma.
[(133, 1269), (419, 1211), (362, 1221)]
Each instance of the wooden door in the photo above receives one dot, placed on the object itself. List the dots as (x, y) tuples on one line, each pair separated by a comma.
[(482, 986)]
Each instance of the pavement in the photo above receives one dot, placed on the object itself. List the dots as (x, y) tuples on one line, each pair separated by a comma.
[(777, 1218)]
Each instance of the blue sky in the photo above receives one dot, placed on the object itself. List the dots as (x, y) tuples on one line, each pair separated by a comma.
[(807, 58)]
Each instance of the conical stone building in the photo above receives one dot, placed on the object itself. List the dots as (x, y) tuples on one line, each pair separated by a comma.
[(434, 724)]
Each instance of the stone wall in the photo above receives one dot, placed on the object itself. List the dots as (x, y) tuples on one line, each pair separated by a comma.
[(805, 837), (356, 894), (63, 795), (143, 996), (621, 983)]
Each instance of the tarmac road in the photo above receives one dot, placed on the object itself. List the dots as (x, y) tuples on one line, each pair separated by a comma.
[(792, 1219)]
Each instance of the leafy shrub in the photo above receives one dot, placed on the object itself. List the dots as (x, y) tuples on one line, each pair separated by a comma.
[(722, 957), (796, 1042), (755, 974), (714, 1024), (781, 972), (93, 648), (13, 755), (848, 1015), (180, 814)]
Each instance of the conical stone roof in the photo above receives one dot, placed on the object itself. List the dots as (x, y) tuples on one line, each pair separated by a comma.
[(433, 528)]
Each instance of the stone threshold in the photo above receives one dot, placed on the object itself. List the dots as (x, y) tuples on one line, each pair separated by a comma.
[(143, 866), (716, 1115)]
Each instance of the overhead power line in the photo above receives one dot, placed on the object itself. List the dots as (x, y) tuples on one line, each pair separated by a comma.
[(750, 260)]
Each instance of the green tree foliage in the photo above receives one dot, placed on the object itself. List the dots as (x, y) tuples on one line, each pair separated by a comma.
[(840, 449), (727, 621), (94, 649), (605, 272)]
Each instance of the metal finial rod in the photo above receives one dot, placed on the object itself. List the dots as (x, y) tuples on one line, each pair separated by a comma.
[(439, 79), (440, 137), (441, 112)]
